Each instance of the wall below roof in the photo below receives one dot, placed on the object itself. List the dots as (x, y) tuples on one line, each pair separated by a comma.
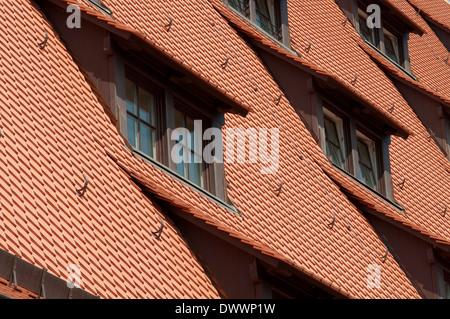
[(90, 45), (412, 253), (443, 35), (427, 109)]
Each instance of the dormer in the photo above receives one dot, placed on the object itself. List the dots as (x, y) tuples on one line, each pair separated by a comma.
[(269, 16)]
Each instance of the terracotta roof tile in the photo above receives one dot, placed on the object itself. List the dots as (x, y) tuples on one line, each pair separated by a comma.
[(47, 142), (437, 10), (319, 253)]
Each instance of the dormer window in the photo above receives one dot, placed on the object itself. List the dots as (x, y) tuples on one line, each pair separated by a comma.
[(388, 33), (268, 15), (355, 145), (367, 158)]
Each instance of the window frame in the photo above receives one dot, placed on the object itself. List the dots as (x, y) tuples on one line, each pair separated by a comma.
[(281, 32), (340, 124), (391, 30), (167, 96), (353, 128)]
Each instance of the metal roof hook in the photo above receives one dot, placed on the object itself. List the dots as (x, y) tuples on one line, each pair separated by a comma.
[(278, 190), (309, 46), (224, 65), (356, 79), (392, 108), (169, 25), (44, 43), (82, 190), (444, 211), (384, 257), (278, 100), (345, 22), (158, 233), (402, 183), (331, 225)]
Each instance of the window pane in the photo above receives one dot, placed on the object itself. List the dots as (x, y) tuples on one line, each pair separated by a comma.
[(366, 32), (240, 5), (265, 15), (366, 169), (195, 171), (131, 97), (132, 131), (147, 135), (333, 145), (146, 107), (391, 47)]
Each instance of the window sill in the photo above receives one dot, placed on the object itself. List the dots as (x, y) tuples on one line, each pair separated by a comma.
[(395, 205), (186, 182), (398, 66)]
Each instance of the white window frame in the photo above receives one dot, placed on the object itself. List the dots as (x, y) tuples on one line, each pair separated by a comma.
[(340, 131), (372, 30), (388, 34), (371, 145)]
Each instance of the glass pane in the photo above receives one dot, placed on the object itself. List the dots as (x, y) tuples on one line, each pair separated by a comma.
[(146, 107), (333, 145), (240, 5), (195, 172), (265, 18), (366, 32), (132, 131), (131, 97), (147, 135), (365, 165), (390, 44)]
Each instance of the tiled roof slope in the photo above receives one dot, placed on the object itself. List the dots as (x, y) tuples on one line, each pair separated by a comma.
[(427, 53), (333, 49), (10, 292), (52, 131), (299, 44), (437, 10), (293, 226), (416, 157)]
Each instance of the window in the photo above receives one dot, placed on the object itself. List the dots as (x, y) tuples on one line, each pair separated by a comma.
[(242, 6), (154, 110), (368, 34), (191, 163), (387, 38), (352, 145), (447, 129), (391, 46), (367, 161), (269, 15), (141, 124), (334, 138), (446, 284)]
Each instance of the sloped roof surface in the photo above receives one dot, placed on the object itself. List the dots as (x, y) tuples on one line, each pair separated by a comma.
[(53, 129), (437, 10), (293, 226)]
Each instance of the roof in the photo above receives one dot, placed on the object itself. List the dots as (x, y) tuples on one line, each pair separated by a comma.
[(437, 10), (53, 131), (271, 224)]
